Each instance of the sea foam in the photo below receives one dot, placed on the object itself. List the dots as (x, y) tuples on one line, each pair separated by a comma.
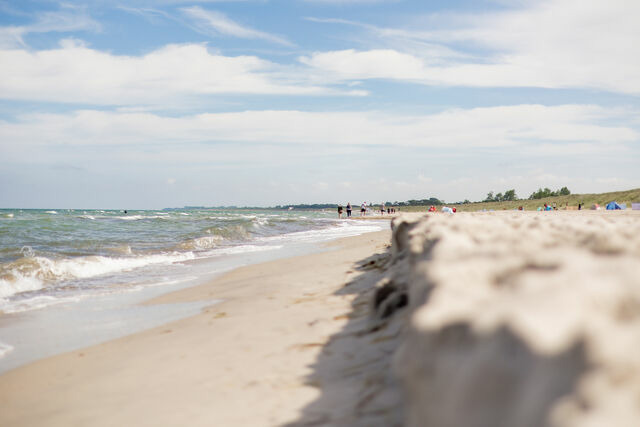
[(30, 274)]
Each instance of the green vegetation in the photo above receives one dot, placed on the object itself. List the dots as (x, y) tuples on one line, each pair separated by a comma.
[(541, 194), (422, 202), (508, 196), (501, 201), (561, 201)]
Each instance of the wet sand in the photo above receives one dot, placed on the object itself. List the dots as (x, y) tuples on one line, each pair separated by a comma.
[(288, 344)]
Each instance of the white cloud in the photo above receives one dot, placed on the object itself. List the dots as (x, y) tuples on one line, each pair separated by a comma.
[(211, 22), (75, 73), (572, 127), (551, 44), (65, 20), (349, 2)]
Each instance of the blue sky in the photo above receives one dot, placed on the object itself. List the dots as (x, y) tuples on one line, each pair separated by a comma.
[(150, 104)]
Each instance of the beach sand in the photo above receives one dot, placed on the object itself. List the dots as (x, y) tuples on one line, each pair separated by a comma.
[(475, 319), (289, 344)]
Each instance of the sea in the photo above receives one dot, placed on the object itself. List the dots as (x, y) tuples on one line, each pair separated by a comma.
[(70, 278)]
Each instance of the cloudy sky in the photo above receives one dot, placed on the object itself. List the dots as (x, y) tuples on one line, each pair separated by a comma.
[(150, 104)]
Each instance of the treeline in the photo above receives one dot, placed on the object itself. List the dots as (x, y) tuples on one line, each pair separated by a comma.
[(312, 206), (508, 196), (542, 193), (422, 202)]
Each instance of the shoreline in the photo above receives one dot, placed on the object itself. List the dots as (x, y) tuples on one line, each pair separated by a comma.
[(257, 345), (72, 321)]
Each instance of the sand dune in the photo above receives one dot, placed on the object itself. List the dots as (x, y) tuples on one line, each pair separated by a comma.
[(519, 319)]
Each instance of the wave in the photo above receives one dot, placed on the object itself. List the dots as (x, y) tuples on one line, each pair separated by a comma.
[(5, 348), (33, 273), (131, 218), (206, 242), (242, 249), (34, 303)]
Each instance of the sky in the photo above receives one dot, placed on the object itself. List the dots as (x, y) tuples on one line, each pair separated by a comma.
[(145, 104)]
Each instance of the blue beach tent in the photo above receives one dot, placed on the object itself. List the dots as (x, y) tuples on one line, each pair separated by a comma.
[(612, 206)]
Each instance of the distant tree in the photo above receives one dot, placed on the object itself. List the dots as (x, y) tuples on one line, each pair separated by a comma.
[(541, 193), (546, 192), (489, 197), (499, 197), (510, 195), (466, 201)]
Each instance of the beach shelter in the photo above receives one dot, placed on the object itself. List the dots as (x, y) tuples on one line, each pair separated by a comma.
[(612, 206)]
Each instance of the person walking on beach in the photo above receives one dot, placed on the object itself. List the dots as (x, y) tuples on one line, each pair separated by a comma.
[(348, 209), (363, 209), (382, 209), (340, 211)]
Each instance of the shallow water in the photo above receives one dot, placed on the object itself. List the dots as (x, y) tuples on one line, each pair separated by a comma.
[(48, 256), (73, 278)]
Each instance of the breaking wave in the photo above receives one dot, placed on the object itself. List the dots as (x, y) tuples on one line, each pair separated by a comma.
[(34, 272)]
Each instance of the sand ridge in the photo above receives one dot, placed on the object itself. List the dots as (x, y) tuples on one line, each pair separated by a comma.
[(519, 318)]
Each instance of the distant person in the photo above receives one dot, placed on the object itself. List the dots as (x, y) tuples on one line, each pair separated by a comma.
[(349, 210), (382, 209), (340, 211), (580, 206), (363, 209)]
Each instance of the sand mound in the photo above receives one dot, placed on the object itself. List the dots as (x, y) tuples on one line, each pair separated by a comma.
[(517, 318)]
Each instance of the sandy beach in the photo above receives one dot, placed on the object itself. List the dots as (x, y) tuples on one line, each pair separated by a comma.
[(474, 319), (287, 345)]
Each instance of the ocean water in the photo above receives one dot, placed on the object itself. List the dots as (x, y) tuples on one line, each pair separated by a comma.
[(49, 256), (72, 278)]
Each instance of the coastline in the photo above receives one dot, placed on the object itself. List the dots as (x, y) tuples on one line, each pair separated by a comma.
[(255, 347)]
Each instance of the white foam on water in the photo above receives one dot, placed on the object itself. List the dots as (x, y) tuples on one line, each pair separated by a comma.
[(52, 212), (259, 222), (137, 217), (47, 270), (342, 229), (34, 303), (42, 301), (131, 218), (242, 249), (21, 283), (5, 348), (206, 242)]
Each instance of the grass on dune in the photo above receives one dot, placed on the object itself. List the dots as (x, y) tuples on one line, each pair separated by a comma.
[(572, 200)]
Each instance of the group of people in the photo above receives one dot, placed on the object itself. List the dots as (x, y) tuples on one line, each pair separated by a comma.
[(364, 208)]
